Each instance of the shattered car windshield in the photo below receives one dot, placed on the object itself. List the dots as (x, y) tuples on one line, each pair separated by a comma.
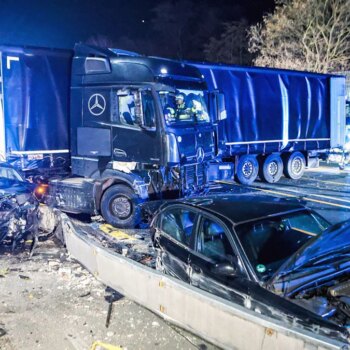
[(268, 243), (184, 106)]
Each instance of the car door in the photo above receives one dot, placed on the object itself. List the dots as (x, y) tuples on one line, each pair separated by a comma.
[(176, 225), (212, 246)]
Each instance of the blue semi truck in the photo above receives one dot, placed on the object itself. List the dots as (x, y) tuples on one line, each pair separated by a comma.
[(99, 118)]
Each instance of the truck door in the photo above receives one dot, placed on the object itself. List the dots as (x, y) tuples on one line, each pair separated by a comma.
[(135, 129)]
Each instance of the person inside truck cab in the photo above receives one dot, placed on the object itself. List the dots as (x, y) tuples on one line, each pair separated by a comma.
[(182, 112), (127, 109)]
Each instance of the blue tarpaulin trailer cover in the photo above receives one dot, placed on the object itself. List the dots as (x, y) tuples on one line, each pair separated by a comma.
[(271, 110), (35, 93)]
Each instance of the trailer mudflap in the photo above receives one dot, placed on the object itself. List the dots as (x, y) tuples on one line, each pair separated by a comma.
[(219, 321)]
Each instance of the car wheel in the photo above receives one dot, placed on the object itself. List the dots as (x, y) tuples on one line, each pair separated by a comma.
[(271, 168), (294, 165), (247, 169), (119, 207)]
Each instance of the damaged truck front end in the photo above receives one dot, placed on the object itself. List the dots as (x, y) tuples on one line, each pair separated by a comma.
[(140, 130)]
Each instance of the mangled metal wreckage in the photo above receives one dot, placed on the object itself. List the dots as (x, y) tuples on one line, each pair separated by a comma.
[(18, 206)]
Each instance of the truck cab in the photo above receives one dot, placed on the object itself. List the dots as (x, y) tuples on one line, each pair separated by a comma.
[(140, 130)]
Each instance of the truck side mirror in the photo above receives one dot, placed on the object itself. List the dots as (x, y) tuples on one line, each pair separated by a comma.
[(222, 114)]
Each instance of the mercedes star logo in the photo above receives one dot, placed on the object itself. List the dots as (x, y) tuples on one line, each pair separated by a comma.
[(97, 104), (200, 154)]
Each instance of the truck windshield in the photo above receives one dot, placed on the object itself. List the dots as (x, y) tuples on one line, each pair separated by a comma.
[(184, 107), (271, 241)]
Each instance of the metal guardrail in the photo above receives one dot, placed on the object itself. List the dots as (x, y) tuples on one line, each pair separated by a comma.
[(221, 322)]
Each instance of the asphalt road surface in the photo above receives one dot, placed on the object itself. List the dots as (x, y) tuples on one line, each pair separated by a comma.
[(325, 189)]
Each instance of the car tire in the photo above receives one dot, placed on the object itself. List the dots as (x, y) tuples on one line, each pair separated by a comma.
[(119, 207), (271, 168), (247, 169), (294, 165)]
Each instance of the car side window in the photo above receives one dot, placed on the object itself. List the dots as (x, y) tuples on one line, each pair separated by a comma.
[(179, 223), (213, 243)]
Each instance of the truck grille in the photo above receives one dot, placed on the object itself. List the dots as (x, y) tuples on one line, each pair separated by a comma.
[(194, 176)]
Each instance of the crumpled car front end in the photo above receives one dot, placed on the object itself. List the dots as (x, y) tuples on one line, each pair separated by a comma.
[(18, 216)]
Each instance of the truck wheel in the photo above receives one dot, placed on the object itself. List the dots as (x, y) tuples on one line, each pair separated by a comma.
[(247, 169), (271, 169), (119, 207), (294, 165)]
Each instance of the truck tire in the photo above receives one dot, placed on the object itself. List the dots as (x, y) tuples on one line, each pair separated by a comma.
[(247, 169), (294, 165), (271, 168), (119, 207)]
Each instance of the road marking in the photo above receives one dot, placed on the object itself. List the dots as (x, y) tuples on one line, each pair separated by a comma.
[(115, 233), (306, 198), (326, 181), (312, 194)]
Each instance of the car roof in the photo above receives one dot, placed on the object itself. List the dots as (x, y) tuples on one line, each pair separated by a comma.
[(240, 208)]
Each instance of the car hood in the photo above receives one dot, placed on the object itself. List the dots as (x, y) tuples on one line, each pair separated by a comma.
[(335, 239)]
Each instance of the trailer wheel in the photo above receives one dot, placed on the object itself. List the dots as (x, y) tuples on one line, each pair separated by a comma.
[(247, 169), (119, 207), (271, 168), (294, 165)]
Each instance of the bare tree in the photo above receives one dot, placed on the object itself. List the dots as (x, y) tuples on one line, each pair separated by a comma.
[(181, 27), (309, 35), (231, 46), (171, 21)]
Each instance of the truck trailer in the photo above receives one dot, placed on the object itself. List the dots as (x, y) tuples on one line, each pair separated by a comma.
[(100, 121), (277, 121)]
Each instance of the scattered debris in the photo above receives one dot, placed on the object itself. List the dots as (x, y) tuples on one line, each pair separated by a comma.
[(4, 272), (111, 297), (23, 277), (2, 332), (97, 345)]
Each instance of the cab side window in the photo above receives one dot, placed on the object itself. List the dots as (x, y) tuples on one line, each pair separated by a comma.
[(127, 110), (179, 224), (213, 243)]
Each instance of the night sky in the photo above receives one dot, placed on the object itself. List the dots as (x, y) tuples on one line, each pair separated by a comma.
[(127, 24)]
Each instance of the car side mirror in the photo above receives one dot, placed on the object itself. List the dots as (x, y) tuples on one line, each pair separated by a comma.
[(225, 270)]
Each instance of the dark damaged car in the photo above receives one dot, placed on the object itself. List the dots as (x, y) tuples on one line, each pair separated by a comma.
[(18, 206), (273, 256)]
